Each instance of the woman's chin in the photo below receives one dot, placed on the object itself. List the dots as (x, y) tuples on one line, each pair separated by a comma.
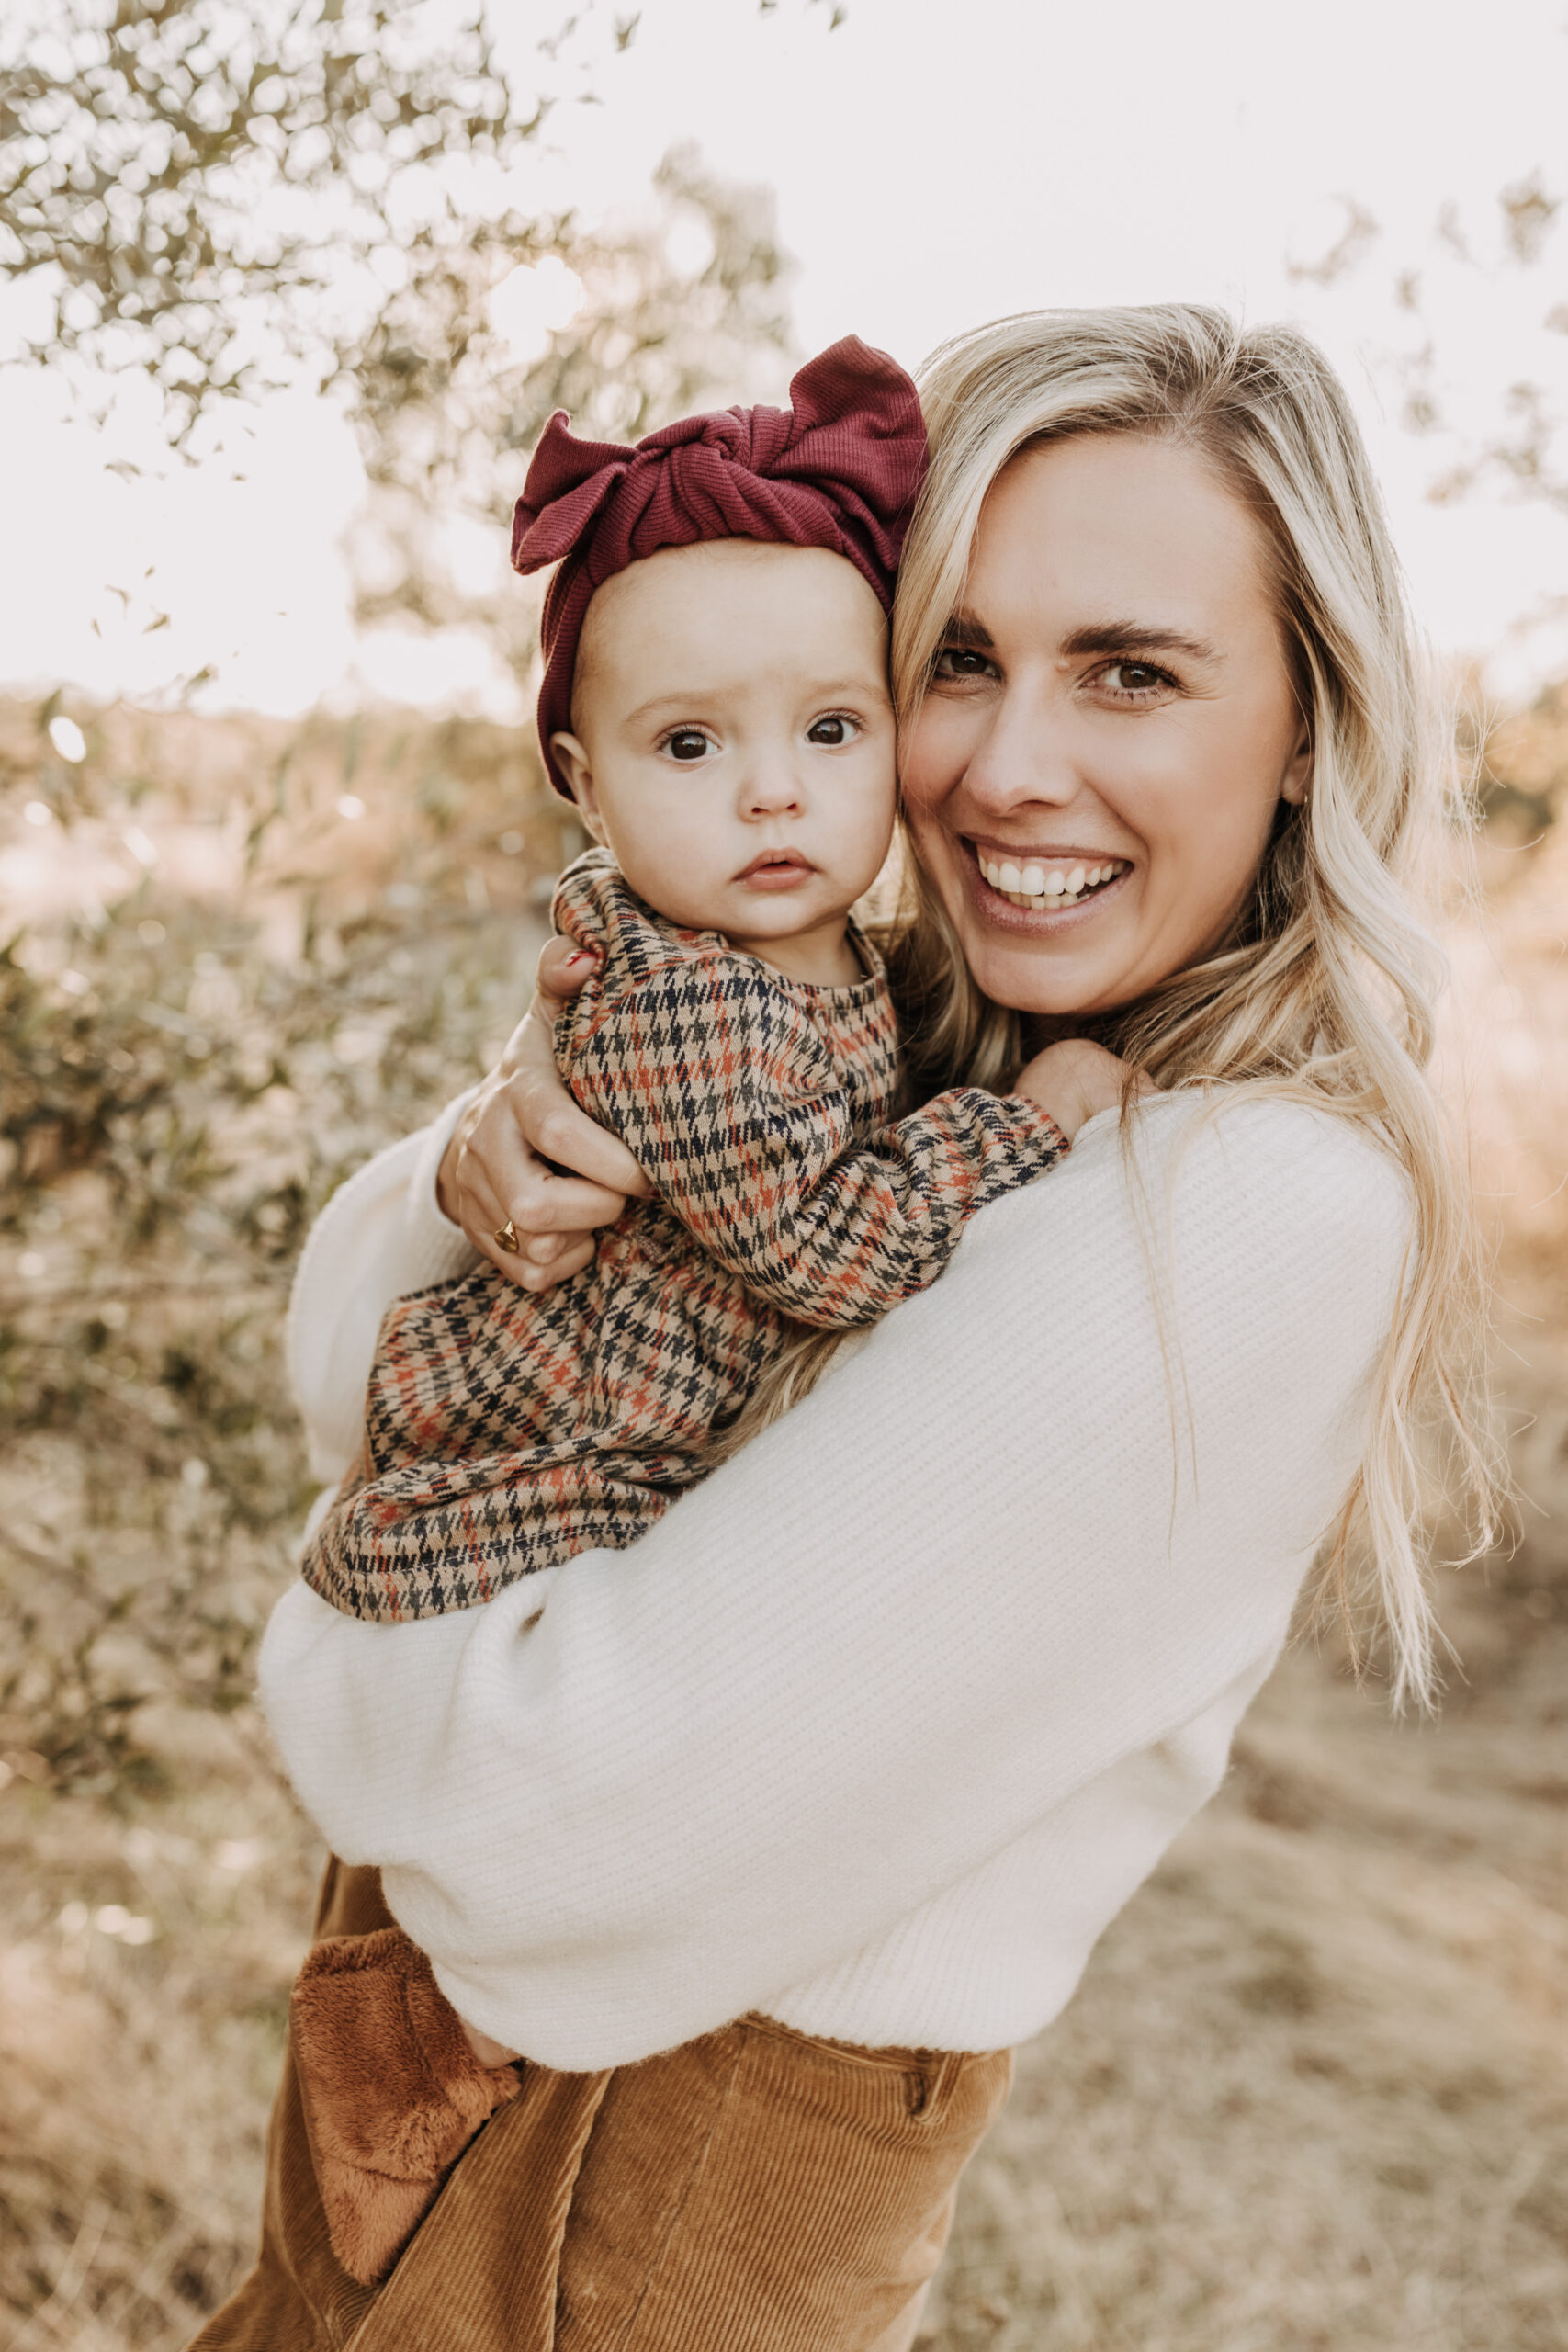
[(1056, 994), (1052, 961), (1052, 971)]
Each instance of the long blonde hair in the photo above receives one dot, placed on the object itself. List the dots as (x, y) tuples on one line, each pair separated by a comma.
[(1324, 995)]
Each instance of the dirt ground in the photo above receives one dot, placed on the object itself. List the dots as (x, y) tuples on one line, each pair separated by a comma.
[(1312, 2095)]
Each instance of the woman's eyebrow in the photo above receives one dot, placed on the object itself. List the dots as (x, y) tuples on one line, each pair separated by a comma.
[(1115, 637), (964, 629)]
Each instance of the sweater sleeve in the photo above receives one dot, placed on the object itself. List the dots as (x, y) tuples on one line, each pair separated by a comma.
[(716, 1080), (380, 1235), (1049, 1511)]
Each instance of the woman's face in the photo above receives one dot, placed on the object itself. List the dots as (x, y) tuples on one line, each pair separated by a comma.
[(1110, 726)]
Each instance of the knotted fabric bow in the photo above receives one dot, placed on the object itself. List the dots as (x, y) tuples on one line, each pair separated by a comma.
[(838, 468)]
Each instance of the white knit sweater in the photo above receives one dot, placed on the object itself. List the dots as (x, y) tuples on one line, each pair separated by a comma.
[(878, 1729)]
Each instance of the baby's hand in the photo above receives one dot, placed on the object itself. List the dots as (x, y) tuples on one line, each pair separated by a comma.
[(1074, 1080)]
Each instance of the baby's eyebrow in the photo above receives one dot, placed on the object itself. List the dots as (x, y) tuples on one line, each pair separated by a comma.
[(684, 702), (692, 702)]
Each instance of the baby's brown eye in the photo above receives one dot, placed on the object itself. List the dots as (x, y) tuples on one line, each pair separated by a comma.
[(687, 743), (830, 732)]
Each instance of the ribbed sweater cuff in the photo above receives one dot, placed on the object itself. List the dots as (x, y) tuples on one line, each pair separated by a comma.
[(436, 1249)]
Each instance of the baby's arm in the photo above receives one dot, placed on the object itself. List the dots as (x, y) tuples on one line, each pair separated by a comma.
[(716, 1080)]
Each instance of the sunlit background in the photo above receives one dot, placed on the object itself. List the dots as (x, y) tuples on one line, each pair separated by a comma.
[(933, 166)]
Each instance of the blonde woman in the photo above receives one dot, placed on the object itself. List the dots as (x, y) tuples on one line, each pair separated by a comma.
[(766, 1841)]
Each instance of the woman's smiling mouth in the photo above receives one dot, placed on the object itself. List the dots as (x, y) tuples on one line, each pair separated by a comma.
[(1040, 882)]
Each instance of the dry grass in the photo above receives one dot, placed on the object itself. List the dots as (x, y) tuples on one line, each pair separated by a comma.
[(1314, 2092)]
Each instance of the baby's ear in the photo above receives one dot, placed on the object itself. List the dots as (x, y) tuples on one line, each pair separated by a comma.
[(573, 763)]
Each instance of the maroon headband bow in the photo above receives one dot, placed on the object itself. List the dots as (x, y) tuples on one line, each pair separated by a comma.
[(838, 468)]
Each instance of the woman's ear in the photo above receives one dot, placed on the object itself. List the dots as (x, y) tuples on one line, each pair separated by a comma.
[(1293, 784), (573, 763)]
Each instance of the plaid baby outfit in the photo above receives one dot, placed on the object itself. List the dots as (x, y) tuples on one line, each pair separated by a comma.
[(505, 1431)]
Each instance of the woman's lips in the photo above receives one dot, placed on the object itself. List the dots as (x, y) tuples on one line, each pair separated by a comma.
[(775, 870), (1021, 889)]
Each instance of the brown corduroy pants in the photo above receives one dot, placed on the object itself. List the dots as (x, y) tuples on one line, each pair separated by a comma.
[(756, 2190)]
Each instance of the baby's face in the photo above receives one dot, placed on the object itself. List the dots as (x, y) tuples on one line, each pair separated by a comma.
[(734, 743)]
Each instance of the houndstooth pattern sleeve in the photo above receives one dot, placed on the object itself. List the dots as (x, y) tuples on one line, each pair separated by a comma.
[(713, 1074)]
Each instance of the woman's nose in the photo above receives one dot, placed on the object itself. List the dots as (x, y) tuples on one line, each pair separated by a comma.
[(1027, 755)]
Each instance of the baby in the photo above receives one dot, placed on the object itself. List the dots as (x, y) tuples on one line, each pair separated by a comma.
[(715, 702)]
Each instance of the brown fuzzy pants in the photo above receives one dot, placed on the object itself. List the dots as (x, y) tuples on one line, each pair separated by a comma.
[(756, 2190)]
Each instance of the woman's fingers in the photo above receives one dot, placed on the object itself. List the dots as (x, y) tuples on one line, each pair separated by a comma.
[(550, 1121), (525, 1162), (480, 1210), (509, 1171), (574, 1256)]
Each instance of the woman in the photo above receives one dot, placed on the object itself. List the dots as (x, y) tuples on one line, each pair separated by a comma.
[(849, 1760)]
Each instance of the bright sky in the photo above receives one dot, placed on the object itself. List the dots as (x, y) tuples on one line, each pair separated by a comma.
[(935, 165)]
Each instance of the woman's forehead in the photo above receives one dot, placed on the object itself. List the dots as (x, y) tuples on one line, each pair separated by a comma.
[(1111, 530)]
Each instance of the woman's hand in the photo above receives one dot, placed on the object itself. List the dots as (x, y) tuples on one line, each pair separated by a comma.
[(494, 1168)]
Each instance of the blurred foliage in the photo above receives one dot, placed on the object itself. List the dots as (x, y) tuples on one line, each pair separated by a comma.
[(213, 189), (144, 152), (1520, 764), (1529, 444), (447, 418), (227, 196), (185, 1076), (1512, 427)]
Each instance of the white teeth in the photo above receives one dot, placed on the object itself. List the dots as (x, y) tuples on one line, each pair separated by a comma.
[(1035, 886)]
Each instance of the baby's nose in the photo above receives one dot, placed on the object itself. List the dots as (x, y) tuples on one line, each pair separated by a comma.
[(773, 786)]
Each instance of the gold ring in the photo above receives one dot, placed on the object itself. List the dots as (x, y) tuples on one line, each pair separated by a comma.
[(506, 1237)]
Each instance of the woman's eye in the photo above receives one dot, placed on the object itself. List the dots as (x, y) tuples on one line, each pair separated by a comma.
[(1135, 677), (832, 732), (688, 745), (962, 662)]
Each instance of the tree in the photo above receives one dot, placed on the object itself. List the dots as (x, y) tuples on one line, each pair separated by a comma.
[(229, 196), (1497, 398)]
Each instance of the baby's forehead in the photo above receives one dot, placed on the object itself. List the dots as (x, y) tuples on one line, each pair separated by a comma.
[(765, 598), (729, 568)]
